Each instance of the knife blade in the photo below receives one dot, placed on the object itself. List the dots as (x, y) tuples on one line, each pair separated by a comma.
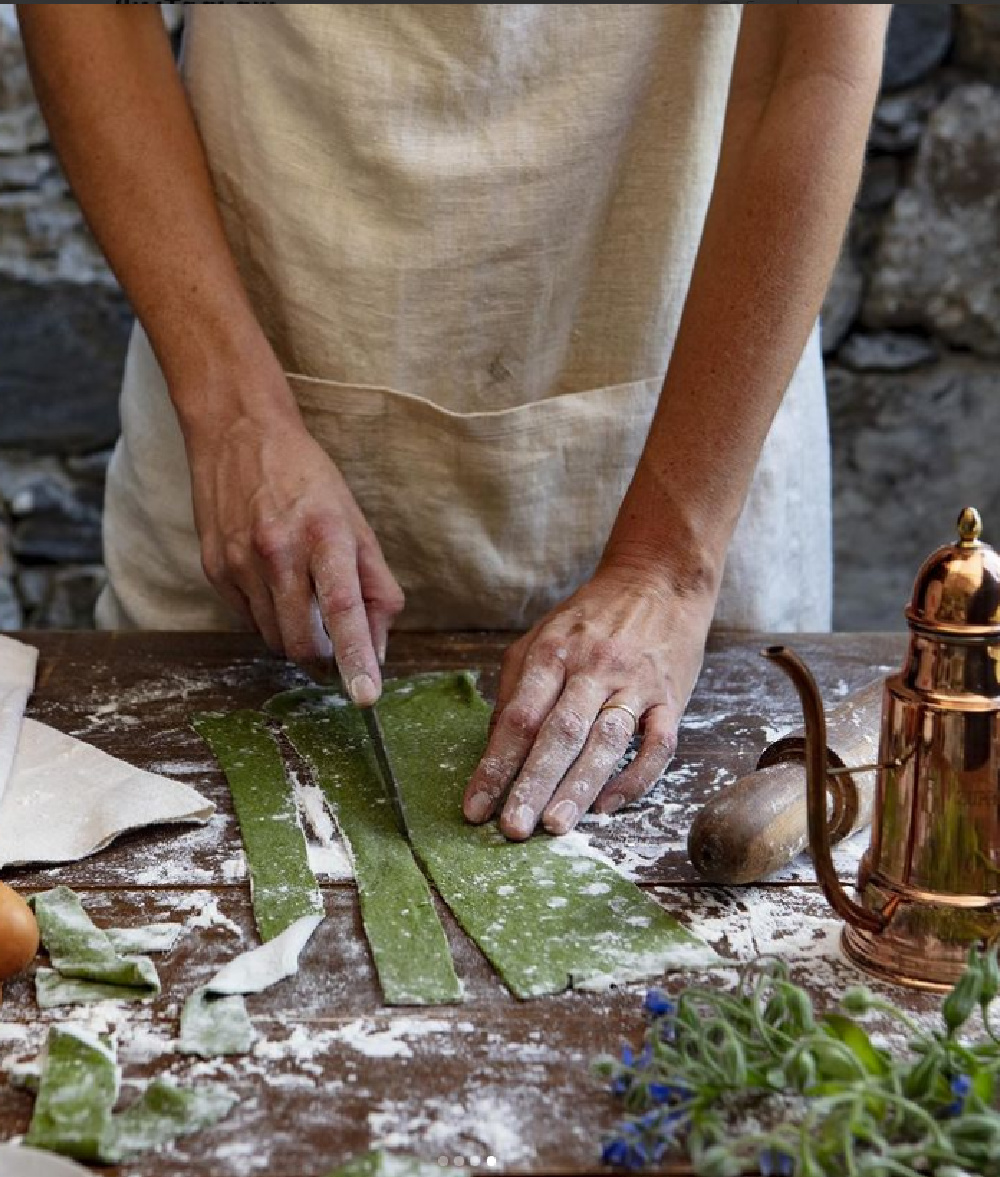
[(376, 738)]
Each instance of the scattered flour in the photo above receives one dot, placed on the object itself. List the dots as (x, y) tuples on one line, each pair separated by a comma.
[(327, 855), (235, 870), (362, 1035), (486, 1122), (330, 862), (182, 767), (207, 913)]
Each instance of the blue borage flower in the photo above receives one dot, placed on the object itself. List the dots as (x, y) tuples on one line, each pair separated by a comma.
[(615, 1152), (775, 1163), (658, 1004), (669, 1092), (638, 1061), (961, 1085), (625, 1154)]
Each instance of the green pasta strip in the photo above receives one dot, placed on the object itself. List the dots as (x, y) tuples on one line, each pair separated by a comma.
[(149, 938), (85, 953), (215, 1026), (52, 989), (378, 1163), (283, 886), (76, 1092), (545, 917), (162, 1113), (407, 941)]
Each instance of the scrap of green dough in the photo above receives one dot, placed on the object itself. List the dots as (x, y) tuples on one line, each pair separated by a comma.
[(148, 938), (78, 1087), (546, 918), (214, 1026), (407, 941), (85, 954), (386, 1164), (76, 1092), (283, 887), (52, 989), (162, 1113)]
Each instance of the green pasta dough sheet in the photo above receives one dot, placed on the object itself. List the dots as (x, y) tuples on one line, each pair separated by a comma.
[(88, 965), (163, 1113), (215, 1026), (378, 1163), (76, 1092), (52, 989), (407, 941), (283, 886), (546, 918)]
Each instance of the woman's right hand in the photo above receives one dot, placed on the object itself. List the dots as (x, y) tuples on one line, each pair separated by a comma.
[(282, 538), (286, 545)]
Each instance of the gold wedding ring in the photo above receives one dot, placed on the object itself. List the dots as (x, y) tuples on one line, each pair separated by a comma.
[(628, 711)]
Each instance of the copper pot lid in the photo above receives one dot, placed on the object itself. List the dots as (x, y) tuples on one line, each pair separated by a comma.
[(957, 591)]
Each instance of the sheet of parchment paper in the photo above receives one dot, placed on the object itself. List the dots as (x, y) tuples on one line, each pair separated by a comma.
[(62, 799), (17, 681)]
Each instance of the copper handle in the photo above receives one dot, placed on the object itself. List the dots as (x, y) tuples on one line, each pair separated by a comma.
[(816, 774)]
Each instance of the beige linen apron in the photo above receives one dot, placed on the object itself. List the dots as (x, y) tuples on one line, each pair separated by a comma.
[(468, 232)]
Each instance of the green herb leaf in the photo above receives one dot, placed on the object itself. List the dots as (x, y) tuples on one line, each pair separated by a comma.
[(874, 1061)]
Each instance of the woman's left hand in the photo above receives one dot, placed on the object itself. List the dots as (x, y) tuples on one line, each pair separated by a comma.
[(622, 653)]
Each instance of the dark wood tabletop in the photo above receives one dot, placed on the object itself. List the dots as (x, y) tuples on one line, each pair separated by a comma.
[(336, 1071)]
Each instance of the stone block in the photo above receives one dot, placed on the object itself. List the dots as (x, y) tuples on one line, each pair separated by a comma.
[(910, 449), (63, 349), (842, 301), (918, 39), (977, 39), (936, 267), (62, 598), (886, 351)]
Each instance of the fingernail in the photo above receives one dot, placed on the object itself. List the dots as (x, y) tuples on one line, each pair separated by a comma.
[(613, 803), (521, 823), (380, 652), (362, 691), (479, 807), (561, 818)]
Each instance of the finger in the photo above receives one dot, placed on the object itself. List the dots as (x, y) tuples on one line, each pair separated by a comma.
[(217, 576), (607, 743), (338, 592), (236, 601), (381, 593), (560, 741), (659, 743), (512, 737), (303, 636), (511, 670), (262, 610), (379, 629)]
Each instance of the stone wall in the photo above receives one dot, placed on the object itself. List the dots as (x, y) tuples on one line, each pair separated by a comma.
[(911, 335), (912, 323)]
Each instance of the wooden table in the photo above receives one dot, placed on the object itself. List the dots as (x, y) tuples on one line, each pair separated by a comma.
[(336, 1071)]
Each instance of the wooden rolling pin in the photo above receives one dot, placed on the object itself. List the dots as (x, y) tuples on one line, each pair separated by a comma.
[(758, 825)]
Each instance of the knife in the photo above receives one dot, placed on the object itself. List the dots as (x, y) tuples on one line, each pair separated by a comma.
[(377, 739)]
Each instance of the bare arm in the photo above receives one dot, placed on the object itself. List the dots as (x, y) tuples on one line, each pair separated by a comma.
[(804, 83), (282, 539), (803, 87)]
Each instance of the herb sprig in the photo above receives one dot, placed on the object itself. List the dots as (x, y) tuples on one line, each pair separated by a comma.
[(709, 1056)]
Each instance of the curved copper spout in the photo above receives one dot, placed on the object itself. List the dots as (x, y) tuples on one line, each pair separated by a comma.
[(816, 774)]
